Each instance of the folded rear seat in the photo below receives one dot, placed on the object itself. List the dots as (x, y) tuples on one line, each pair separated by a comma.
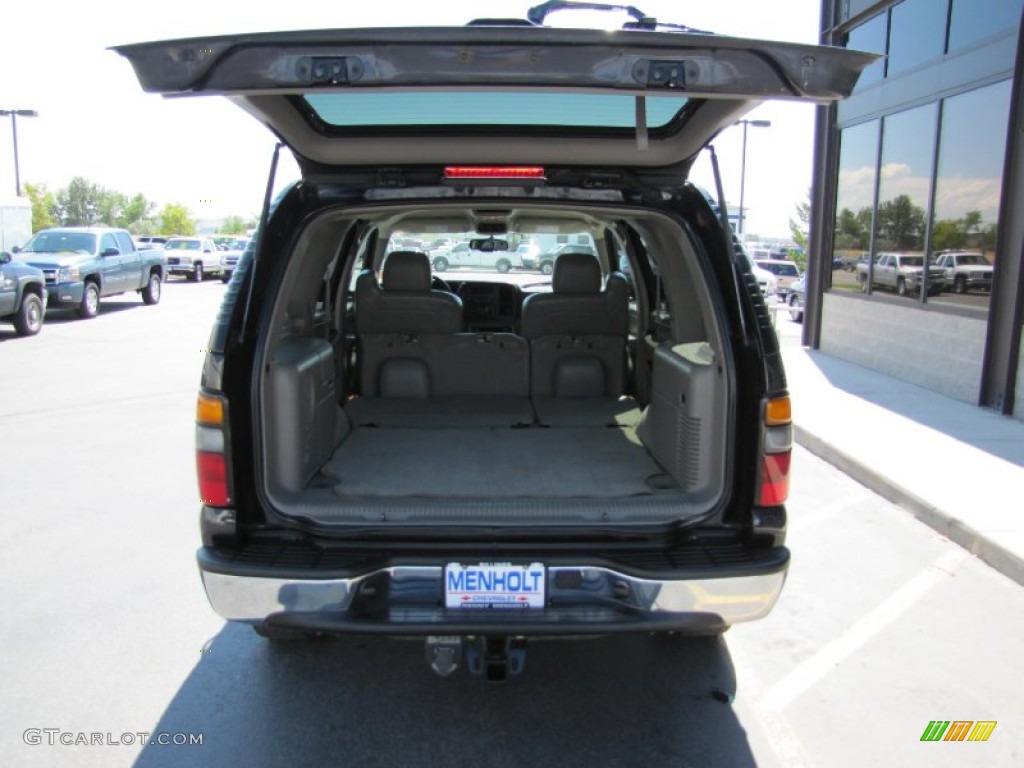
[(443, 380)]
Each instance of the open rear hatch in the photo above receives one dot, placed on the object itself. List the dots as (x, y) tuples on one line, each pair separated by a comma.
[(576, 97), (376, 108)]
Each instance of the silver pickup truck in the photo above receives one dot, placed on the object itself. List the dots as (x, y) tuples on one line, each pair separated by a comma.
[(902, 273)]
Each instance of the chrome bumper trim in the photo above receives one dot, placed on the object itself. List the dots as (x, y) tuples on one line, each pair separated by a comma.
[(417, 591)]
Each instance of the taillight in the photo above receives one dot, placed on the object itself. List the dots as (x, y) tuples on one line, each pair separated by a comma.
[(212, 467), (776, 452)]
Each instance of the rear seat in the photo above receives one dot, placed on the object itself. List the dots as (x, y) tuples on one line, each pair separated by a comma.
[(577, 333), (577, 336), (568, 371)]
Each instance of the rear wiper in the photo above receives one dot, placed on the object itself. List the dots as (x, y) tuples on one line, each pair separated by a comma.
[(642, 21)]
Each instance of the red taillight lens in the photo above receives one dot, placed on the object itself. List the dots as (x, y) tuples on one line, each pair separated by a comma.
[(776, 452), (213, 479), (774, 479), (211, 450), (494, 172)]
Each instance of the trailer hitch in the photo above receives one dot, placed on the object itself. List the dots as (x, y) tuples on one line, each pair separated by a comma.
[(495, 658)]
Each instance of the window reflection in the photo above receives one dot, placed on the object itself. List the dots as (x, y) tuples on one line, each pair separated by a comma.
[(917, 33), (968, 186), (855, 195), (905, 171), (974, 20), (870, 36)]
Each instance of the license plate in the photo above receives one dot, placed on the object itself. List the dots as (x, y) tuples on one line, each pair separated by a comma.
[(494, 586)]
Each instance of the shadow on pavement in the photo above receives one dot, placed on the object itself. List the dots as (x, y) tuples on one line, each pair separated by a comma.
[(60, 315), (373, 702), (998, 435)]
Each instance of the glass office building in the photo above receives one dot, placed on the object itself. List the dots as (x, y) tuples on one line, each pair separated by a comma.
[(916, 263)]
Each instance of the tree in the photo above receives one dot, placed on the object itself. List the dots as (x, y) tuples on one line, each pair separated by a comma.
[(233, 225), (117, 210), (44, 207), (800, 228), (947, 235), (175, 219), (851, 234), (955, 234), (900, 224), (79, 203)]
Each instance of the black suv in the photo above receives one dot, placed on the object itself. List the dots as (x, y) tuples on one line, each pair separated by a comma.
[(479, 458)]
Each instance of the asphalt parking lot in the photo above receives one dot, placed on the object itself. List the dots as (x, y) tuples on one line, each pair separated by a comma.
[(883, 625)]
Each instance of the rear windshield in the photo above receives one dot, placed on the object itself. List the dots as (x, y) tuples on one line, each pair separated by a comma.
[(459, 108), (182, 245), (528, 260), (783, 270)]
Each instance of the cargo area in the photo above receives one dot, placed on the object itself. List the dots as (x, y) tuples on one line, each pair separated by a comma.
[(385, 411)]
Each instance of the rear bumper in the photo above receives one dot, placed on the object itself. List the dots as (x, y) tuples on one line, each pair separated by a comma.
[(408, 599)]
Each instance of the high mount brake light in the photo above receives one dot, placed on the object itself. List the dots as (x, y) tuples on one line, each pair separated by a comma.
[(534, 172)]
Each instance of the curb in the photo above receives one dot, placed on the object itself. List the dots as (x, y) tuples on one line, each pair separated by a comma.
[(994, 554)]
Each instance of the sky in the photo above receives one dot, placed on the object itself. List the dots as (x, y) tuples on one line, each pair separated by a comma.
[(94, 120)]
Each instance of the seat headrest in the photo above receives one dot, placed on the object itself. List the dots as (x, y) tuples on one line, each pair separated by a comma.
[(576, 273), (406, 271)]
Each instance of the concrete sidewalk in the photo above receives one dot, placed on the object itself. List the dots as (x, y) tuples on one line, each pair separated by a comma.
[(956, 467)]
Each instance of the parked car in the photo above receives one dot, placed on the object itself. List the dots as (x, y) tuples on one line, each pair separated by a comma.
[(902, 272), (546, 261), (527, 254), (786, 273), (463, 255), (22, 295), (84, 264), (193, 256), (965, 271), (766, 281), (366, 464), (797, 298), (145, 242), (229, 257)]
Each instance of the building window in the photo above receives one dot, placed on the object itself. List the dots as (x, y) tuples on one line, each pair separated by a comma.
[(968, 188), (917, 34), (855, 202), (908, 140), (870, 36), (974, 20)]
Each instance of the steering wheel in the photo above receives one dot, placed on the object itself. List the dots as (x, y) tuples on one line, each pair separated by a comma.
[(440, 284)]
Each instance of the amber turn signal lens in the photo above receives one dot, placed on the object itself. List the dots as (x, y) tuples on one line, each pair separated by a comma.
[(209, 410), (778, 411)]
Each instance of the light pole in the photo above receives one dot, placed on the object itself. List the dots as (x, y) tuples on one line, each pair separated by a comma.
[(15, 114), (743, 166)]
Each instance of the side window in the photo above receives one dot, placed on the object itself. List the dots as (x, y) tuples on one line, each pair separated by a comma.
[(108, 241), (124, 242), (620, 263)]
